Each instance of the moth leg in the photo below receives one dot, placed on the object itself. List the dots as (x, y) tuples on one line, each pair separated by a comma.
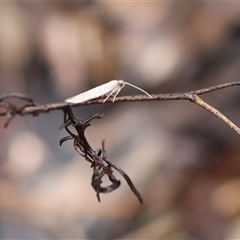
[(113, 92), (115, 95)]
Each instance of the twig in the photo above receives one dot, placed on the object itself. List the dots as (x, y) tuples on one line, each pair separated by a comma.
[(98, 158), (218, 114), (101, 166), (192, 96)]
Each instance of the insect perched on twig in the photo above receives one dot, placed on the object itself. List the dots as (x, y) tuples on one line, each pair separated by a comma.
[(111, 88), (98, 159)]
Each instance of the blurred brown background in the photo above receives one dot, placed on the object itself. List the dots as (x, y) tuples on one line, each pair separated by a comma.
[(183, 160)]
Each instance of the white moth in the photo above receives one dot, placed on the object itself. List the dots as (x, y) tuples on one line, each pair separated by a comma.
[(111, 88)]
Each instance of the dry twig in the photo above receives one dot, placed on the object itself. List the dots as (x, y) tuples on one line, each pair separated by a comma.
[(98, 158), (101, 166), (192, 96)]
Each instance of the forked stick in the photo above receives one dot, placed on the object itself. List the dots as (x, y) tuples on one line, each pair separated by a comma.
[(193, 96)]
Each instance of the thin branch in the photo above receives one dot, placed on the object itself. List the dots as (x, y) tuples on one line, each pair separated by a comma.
[(218, 114), (36, 110), (101, 166), (191, 96)]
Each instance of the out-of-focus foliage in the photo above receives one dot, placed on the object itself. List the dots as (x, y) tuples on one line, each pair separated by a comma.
[(184, 161)]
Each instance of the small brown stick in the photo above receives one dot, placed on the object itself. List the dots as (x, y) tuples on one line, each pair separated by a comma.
[(218, 114), (193, 96), (98, 158), (168, 96)]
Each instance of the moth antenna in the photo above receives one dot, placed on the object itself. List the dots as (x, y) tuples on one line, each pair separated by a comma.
[(140, 89)]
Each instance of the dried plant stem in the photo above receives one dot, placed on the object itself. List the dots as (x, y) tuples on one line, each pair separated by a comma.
[(218, 114), (192, 96)]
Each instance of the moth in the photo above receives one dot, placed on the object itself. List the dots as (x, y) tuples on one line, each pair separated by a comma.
[(108, 89)]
